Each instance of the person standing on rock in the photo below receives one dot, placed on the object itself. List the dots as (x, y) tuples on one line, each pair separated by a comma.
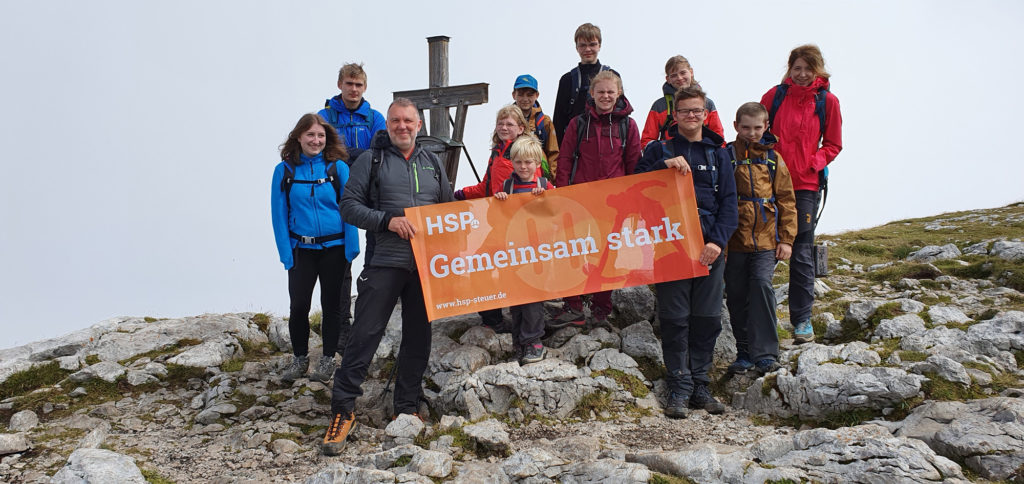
[(393, 175), (690, 310), (805, 117), (313, 241)]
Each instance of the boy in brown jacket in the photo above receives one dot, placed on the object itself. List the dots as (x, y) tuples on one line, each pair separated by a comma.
[(767, 227)]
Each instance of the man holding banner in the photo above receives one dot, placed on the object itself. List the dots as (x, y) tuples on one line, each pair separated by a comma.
[(394, 174), (690, 309)]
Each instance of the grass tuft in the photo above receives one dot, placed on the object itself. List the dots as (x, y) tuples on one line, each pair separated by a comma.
[(24, 381), (628, 382), (262, 321), (597, 402)]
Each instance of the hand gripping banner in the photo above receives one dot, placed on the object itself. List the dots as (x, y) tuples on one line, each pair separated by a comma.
[(486, 253)]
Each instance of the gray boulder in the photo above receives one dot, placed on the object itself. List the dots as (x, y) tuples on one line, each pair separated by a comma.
[(343, 473), (860, 311), (405, 426), (23, 421), (14, 443), (933, 253), (105, 370), (489, 435), (633, 304), (944, 368), (606, 471), (431, 464), (987, 435), (210, 353), (1009, 250), (900, 326), (612, 359), (639, 341), (98, 465), (946, 314), (530, 462)]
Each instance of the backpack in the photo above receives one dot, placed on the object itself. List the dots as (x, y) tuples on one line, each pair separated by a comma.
[(507, 186), (771, 161), (577, 82), (332, 117), (541, 131), (377, 155), (286, 186), (581, 128)]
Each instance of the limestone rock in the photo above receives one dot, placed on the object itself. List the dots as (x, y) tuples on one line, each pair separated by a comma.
[(606, 470), (344, 473), (489, 434), (210, 353), (933, 253), (612, 359), (633, 304), (944, 368), (431, 464), (860, 311), (105, 370), (947, 314), (477, 472), (405, 426), (498, 345), (900, 326), (529, 463), (14, 443), (639, 341), (988, 434), (284, 446), (1009, 250), (98, 465), (23, 421)]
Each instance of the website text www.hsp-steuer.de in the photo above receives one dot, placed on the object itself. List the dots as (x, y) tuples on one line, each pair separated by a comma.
[(470, 301)]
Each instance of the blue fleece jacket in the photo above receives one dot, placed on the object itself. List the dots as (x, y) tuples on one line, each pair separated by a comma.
[(356, 127), (717, 206), (314, 210)]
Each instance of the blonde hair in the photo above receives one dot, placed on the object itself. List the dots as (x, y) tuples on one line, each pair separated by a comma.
[(752, 109), (510, 111), (527, 147), (604, 76), (811, 54), (352, 70)]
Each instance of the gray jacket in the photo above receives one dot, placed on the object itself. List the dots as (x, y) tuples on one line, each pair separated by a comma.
[(403, 184)]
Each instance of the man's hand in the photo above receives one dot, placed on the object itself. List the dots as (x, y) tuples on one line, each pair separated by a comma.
[(402, 227), (783, 251), (679, 163), (709, 254)]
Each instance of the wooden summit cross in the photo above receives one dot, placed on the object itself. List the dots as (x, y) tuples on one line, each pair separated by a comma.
[(438, 98)]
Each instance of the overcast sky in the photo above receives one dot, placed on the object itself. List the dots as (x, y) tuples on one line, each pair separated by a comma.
[(140, 137)]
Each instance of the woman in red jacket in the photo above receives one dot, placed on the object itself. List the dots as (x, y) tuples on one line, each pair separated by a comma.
[(509, 126), (805, 117)]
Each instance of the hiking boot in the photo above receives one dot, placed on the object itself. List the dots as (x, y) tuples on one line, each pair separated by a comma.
[(296, 369), (741, 365), (676, 407), (532, 354), (568, 317), (601, 321), (803, 332), (702, 398), (334, 440), (767, 365), (324, 370)]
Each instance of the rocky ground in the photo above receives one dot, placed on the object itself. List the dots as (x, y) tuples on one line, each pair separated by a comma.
[(915, 377)]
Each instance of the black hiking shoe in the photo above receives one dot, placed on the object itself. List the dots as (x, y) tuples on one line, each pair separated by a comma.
[(676, 407), (703, 399)]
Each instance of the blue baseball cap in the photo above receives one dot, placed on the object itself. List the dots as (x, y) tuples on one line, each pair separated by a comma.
[(526, 80)]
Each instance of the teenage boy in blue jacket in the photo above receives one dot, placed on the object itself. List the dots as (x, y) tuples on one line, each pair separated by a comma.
[(690, 310), (356, 122)]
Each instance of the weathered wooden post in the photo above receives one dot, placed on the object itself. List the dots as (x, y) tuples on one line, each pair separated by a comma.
[(442, 139)]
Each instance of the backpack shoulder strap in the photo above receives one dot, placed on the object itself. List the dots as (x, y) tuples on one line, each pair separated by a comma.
[(374, 182), (576, 82), (666, 149), (623, 134), (819, 108), (780, 94), (709, 153), (580, 131), (332, 175), (507, 186)]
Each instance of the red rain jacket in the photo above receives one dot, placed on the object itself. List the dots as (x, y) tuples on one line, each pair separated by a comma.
[(796, 125)]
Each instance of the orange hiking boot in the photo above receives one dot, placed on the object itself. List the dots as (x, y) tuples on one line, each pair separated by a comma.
[(337, 432)]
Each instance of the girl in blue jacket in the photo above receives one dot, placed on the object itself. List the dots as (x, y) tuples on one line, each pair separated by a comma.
[(312, 240)]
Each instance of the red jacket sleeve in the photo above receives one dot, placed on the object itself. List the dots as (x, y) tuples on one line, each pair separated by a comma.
[(565, 153), (832, 142), (652, 127), (715, 123), (766, 101), (499, 170)]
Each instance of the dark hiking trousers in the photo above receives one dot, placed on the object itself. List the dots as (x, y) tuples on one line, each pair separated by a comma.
[(528, 321), (346, 309), (379, 289), (690, 311), (491, 318), (310, 264), (801, 266), (751, 302)]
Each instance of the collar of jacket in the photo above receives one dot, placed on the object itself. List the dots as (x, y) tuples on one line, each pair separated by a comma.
[(749, 150), (709, 137), (338, 104), (622, 108), (310, 159)]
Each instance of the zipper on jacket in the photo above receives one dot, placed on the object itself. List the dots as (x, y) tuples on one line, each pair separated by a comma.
[(312, 199), (753, 194), (416, 176)]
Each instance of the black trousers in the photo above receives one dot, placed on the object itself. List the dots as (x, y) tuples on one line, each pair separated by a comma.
[(379, 289), (690, 311), (801, 265), (328, 265), (751, 302)]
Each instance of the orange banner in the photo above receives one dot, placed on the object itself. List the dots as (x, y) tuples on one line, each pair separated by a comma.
[(486, 253)]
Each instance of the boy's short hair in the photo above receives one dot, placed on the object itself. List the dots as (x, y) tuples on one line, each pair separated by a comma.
[(689, 92), (676, 61), (527, 147), (606, 76), (587, 31), (352, 70), (752, 109)]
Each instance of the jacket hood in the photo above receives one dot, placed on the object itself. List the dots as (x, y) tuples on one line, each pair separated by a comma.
[(667, 89), (338, 104), (381, 140), (622, 108), (711, 137), (816, 84), (746, 149)]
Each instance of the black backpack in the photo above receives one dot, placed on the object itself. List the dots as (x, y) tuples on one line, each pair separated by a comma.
[(286, 186)]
